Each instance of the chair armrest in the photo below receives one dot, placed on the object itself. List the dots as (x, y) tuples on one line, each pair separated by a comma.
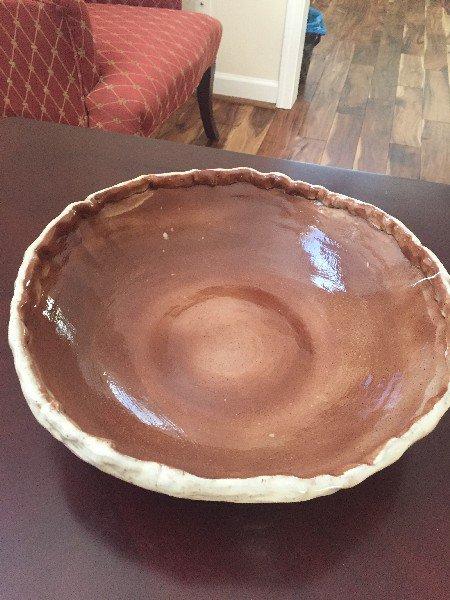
[(174, 4), (39, 64), (77, 16)]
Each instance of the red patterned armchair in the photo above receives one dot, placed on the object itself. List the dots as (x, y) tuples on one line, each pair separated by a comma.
[(122, 65)]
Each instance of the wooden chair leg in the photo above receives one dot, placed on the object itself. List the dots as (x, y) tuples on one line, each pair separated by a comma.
[(204, 97)]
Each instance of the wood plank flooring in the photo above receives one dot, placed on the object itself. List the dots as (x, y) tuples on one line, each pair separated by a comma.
[(377, 96)]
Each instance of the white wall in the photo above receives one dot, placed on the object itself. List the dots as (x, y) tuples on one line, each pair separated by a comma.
[(248, 64)]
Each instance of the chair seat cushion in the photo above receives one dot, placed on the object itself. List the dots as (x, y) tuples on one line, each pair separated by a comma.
[(150, 61)]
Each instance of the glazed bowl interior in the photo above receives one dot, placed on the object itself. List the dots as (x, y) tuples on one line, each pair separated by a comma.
[(232, 331)]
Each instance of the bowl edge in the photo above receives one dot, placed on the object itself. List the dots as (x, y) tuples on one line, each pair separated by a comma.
[(175, 482)]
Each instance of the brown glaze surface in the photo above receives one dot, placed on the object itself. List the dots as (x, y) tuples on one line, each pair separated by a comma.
[(233, 331)]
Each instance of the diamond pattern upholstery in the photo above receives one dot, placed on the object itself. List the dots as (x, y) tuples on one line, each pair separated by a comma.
[(124, 67), (173, 4), (39, 69), (150, 62), (77, 17)]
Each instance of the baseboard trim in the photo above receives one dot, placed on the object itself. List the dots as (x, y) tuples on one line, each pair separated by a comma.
[(249, 88)]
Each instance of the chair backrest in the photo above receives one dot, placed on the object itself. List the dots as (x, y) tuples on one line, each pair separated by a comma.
[(46, 63)]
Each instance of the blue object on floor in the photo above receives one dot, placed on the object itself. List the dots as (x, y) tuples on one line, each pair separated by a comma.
[(315, 23)]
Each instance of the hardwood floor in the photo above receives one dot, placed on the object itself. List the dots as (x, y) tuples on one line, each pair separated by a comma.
[(376, 98)]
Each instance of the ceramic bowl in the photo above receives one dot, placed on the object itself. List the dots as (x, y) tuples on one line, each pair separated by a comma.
[(232, 335)]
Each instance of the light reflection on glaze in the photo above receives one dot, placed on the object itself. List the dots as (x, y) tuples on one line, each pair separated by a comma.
[(324, 259), (367, 381), (424, 279), (63, 326), (389, 392), (145, 415), (392, 392)]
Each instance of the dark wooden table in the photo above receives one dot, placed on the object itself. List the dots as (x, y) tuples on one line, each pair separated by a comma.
[(68, 531)]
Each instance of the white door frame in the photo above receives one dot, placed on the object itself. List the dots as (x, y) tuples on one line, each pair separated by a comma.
[(292, 52)]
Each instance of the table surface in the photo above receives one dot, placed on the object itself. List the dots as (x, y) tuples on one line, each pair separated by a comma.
[(69, 531)]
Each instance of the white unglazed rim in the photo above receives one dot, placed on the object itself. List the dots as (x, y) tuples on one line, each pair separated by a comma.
[(175, 482)]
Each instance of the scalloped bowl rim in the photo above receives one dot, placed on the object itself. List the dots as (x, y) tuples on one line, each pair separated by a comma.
[(172, 481)]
